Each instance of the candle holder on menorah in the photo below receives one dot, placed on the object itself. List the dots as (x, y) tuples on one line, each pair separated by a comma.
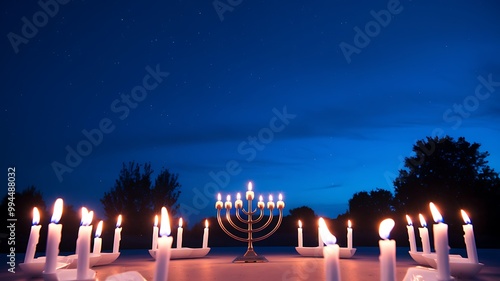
[(250, 255)]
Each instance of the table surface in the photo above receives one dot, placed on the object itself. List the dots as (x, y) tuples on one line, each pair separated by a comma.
[(284, 265)]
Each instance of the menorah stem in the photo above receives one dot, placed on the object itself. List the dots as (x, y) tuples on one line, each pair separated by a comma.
[(250, 225)]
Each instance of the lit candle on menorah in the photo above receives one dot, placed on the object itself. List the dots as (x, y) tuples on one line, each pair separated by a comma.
[(250, 255)]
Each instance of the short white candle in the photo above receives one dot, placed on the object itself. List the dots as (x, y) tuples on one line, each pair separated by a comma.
[(98, 239), (218, 204), (261, 204), (331, 253), (280, 204), (349, 234), (238, 204), (179, 234), (83, 245), (154, 244), (34, 237), (53, 238), (164, 248), (249, 195), (118, 235), (299, 235), (440, 230), (270, 203), (424, 235), (411, 235), (205, 235), (470, 241), (387, 251), (228, 204)]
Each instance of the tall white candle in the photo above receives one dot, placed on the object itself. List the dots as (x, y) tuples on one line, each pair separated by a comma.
[(118, 235), (411, 235), (34, 236), (349, 234), (179, 234), (387, 251), (424, 235), (205, 235), (249, 195), (470, 242), (154, 244), (330, 253), (164, 248), (440, 230), (299, 235), (320, 241), (83, 245), (98, 239), (53, 238)]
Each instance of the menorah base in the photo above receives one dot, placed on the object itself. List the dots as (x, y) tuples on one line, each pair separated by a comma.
[(250, 256)]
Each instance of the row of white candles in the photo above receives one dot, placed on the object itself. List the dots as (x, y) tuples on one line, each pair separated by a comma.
[(249, 195), (180, 230), (320, 241)]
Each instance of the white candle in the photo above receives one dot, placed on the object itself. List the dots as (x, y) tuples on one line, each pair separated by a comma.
[(53, 238), (349, 234), (228, 204), (218, 204), (164, 248), (118, 235), (249, 194), (179, 234), (270, 203), (440, 230), (470, 242), (205, 235), (424, 235), (330, 253), (83, 245), (238, 204), (280, 204), (261, 204), (387, 251), (320, 242), (154, 244), (34, 236), (411, 235), (98, 239), (299, 235)]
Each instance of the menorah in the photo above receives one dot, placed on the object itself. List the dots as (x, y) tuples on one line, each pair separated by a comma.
[(250, 255)]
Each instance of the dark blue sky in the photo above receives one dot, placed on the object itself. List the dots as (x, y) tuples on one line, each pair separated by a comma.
[(333, 111)]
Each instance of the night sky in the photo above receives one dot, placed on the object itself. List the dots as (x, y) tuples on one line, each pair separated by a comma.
[(317, 100)]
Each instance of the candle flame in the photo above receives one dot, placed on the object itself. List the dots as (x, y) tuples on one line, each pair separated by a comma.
[(409, 220), (165, 223), (422, 220), (228, 198), (219, 197), (86, 217), (156, 220), (119, 221), (98, 230), (300, 224), (250, 186), (385, 228), (435, 213), (238, 196), (465, 217), (206, 223), (270, 198), (280, 197), (58, 208), (36, 216), (180, 222), (327, 237), (261, 198), (349, 223)]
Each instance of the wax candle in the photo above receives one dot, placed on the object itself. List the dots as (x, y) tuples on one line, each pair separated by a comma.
[(218, 204), (260, 204), (331, 253), (228, 204), (118, 235), (179, 234), (238, 204), (349, 234), (441, 246), (53, 238), (424, 235), (249, 194), (270, 203), (280, 204), (320, 241), (164, 248), (411, 235), (83, 245), (154, 244), (470, 242), (98, 239), (387, 251), (299, 235), (34, 236), (205, 235)]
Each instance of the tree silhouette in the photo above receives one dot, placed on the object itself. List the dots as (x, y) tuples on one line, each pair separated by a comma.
[(303, 213), (166, 192)]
